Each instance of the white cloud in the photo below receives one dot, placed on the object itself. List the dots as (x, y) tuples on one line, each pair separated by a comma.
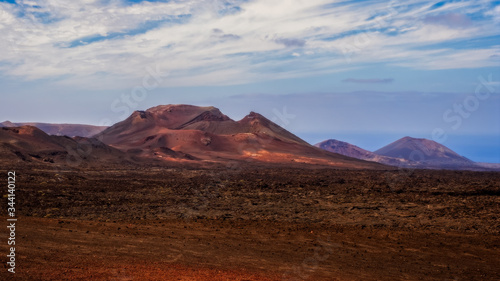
[(255, 40)]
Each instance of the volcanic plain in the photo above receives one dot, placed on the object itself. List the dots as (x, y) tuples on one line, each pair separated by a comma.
[(244, 222)]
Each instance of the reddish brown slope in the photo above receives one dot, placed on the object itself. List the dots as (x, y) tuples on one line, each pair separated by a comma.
[(30, 144), (205, 133)]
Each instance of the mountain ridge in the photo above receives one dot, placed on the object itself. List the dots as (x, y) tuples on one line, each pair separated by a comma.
[(31, 144), (188, 133), (71, 130), (205, 133), (354, 151), (409, 152)]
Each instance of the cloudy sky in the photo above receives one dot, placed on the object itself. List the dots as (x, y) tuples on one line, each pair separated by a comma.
[(367, 72)]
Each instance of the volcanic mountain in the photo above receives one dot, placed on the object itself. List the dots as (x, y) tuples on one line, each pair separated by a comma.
[(71, 130), (409, 153), (30, 144), (206, 134), (351, 150), (426, 153)]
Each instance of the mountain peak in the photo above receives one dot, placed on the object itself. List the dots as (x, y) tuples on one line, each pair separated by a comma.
[(422, 150), (407, 152), (7, 123), (176, 116), (351, 150), (179, 107), (207, 134), (252, 116), (333, 143), (407, 138)]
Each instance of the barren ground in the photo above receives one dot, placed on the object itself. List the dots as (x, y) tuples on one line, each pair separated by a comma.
[(255, 224)]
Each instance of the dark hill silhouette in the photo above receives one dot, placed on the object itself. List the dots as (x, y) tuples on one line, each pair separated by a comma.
[(30, 144)]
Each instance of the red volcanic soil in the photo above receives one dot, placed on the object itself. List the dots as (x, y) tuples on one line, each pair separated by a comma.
[(255, 224), (65, 249)]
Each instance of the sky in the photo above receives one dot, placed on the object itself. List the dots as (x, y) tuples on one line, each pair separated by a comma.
[(366, 72)]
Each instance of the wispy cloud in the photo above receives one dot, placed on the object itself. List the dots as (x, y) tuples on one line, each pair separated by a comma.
[(236, 41), (368, 81), (291, 42)]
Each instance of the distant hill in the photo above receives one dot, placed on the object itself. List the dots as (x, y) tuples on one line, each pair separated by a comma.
[(30, 144), (426, 152), (351, 150), (409, 152), (70, 130)]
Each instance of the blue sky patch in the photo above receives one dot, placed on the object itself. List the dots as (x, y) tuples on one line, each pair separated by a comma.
[(437, 5), (145, 27), (465, 44)]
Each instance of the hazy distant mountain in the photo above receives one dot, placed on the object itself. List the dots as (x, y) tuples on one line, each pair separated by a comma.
[(206, 134), (426, 152), (70, 130), (351, 150), (409, 153)]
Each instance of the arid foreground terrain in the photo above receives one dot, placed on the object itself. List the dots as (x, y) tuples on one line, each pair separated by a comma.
[(247, 223)]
